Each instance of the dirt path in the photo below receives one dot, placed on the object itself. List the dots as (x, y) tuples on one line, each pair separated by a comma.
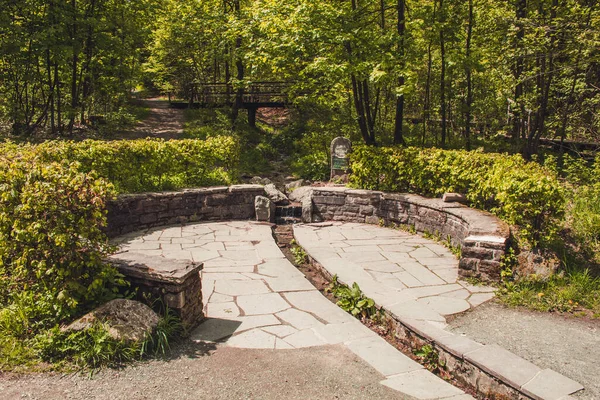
[(162, 122)]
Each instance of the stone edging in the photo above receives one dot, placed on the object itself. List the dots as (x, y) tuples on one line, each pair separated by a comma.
[(483, 237)]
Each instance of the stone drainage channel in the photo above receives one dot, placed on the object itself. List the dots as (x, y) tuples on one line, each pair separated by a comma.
[(255, 298)]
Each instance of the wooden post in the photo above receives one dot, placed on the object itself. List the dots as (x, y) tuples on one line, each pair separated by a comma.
[(252, 116)]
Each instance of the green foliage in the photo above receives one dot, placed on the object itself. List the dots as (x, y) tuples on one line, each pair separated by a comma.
[(353, 300), (521, 193), (90, 348), (51, 239), (430, 357), (314, 166), (169, 327), (300, 256), (142, 165), (95, 347), (567, 291), (585, 214)]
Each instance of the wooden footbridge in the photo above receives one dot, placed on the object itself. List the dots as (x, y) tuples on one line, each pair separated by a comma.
[(254, 96)]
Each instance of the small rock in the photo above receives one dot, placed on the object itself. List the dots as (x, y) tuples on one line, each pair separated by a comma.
[(275, 195), (257, 180), (290, 187), (127, 320), (454, 198), (264, 209), (536, 262)]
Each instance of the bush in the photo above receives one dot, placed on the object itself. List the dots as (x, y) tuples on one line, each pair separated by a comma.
[(142, 165), (312, 166), (584, 214), (523, 194), (51, 243)]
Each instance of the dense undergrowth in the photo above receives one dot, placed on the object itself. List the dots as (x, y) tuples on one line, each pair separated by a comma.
[(53, 248), (140, 165)]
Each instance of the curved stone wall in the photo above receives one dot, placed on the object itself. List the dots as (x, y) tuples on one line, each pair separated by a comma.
[(482, 237), (133, 212)]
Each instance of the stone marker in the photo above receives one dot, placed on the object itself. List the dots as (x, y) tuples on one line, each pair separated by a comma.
[(340, 148), (264, 208)]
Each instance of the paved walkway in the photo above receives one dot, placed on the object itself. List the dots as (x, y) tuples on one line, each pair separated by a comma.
[(405, 273), (416, 280), (255, 298)]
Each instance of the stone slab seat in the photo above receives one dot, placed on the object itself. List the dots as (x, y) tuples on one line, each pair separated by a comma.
[(176, 282)]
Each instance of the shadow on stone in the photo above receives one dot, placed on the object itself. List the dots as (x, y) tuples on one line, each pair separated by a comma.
[(214, 330)]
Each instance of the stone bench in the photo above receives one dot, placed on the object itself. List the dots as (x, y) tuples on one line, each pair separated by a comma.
[(175, 282)]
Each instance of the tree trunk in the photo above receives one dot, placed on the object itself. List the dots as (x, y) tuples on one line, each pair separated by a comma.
[(239, 94), (74, 61), (442, 76), (469, 102), (401, 28), (519, 109)]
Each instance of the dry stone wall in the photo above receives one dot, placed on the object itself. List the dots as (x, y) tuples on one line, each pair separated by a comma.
[(482, 237), (134, 212)]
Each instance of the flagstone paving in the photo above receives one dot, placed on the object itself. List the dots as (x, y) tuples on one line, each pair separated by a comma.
[(255, 298), (409, 275), (416, 281)]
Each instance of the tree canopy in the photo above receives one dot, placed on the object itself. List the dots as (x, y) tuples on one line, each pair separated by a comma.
[(432, 72)]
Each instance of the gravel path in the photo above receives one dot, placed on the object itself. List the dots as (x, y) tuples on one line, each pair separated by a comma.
[(194, 372), (567, 345)]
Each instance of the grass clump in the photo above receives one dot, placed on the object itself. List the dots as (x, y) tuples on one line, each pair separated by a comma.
[(572, 290)]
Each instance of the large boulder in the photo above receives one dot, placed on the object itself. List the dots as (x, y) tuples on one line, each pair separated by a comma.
[(299, 194), (537, 262), (275, 195), (126, 320)]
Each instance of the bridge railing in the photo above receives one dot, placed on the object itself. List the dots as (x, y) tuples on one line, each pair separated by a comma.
[(258, 92)]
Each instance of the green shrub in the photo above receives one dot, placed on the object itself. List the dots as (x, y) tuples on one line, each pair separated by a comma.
[(584, 214), (353, 300), (523, 194), (142, 165), (313, 166), (51, 242)]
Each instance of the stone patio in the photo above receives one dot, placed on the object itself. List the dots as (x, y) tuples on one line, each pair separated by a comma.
[(405, 273), (255, 298)]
